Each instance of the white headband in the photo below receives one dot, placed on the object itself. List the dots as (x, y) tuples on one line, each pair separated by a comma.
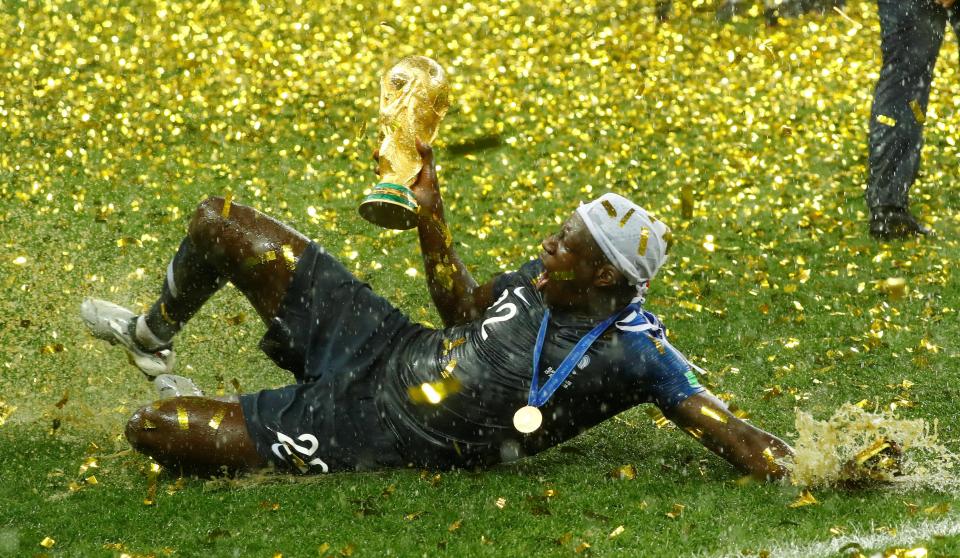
[(633, 241)]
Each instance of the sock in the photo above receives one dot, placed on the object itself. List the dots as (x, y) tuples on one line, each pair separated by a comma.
[(146, 337), (189, 282)]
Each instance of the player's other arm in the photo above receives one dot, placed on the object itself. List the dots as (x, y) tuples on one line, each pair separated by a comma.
[(456, 294), (745, 446)]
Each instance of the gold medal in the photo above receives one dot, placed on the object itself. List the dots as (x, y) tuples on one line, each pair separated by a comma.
[(527, 419)]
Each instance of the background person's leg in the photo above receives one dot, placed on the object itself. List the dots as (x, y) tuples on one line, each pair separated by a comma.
[(911, 35), (196, 434), (238, 244)]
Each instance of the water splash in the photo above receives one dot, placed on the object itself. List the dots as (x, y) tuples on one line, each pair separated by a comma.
[(856, 447)]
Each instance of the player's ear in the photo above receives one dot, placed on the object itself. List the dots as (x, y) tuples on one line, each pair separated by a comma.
[(607, 276)]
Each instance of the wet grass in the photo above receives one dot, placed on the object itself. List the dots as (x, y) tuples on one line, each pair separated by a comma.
[(782, 303)]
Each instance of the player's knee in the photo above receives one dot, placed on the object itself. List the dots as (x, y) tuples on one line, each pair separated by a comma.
[(207, 220), (141, 429)]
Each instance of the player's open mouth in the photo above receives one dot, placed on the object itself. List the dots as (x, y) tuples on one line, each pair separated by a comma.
[(548, 276), (541, 281)]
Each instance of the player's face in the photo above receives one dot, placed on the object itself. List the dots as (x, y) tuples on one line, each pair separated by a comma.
[(570, 260)]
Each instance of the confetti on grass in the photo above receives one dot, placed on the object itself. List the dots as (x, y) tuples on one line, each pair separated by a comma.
[(5, 411), (805, 499)]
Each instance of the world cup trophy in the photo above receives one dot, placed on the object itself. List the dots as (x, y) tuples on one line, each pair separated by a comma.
[(414, 97)]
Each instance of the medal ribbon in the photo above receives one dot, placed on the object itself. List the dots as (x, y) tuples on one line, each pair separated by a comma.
[(539, 397)]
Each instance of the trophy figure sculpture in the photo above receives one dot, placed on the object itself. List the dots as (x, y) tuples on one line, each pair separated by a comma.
[(414, 97)]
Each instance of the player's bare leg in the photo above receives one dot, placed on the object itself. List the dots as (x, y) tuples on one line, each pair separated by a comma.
[(232, 243), (194, 434), (226, 242)]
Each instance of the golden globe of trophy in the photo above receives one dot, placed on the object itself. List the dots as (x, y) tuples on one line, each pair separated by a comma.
[(414, 97)]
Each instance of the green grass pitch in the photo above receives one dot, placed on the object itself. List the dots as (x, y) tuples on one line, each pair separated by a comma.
[(117, 118)]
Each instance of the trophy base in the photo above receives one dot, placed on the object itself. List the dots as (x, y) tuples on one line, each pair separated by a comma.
[(390, 206)]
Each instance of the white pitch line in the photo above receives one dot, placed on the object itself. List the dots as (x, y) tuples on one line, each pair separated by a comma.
[(906, 535)]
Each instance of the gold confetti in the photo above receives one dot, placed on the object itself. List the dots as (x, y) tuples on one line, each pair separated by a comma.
[(268, 256), (937, 509), (163, 313), (63, 400), (299, 463), (88, 463), (454, 526), (5, 411), (805, 499), (91, 480), (886, 120), (153, 471), (611, 211), (447, 371), (583, 546), (183, 419), (658, 418), (288, 256), (216, 419), (501, 502), (918, 111), (874, 449), (713, 413), (449, 345), (676, 512), (618, 531), (708, 243), (626, 217), (894, 287), (625, 472), (47, 542), (768, 456), (695, 432), (644, 239), (177, 486), (52, 348), (659, 345), (227, 202), (686, 201)]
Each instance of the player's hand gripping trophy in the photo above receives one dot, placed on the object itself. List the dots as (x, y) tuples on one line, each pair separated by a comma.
[(414, 97)]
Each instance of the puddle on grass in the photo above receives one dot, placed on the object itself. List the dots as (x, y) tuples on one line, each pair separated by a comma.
[(855, 447)]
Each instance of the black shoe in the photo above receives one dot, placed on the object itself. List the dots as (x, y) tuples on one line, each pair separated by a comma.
[(895, 222)]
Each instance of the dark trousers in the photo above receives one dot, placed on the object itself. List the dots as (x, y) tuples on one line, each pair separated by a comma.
[(911, 35)]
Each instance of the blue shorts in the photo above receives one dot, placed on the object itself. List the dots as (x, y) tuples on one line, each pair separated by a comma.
[(335, 335)]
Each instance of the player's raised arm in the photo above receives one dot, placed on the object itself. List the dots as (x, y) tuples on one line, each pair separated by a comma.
[(455, 292), (745, 446)]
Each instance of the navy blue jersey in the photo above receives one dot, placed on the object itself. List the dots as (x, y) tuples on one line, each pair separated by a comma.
[(488, 364)]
